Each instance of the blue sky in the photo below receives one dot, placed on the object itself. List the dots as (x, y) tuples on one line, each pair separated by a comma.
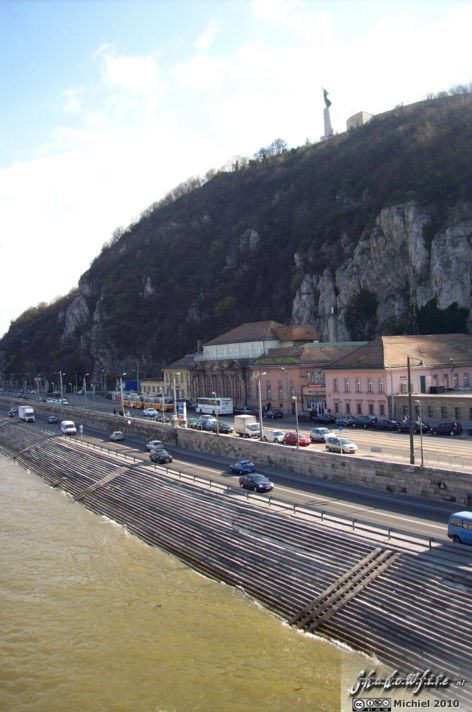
[(108, 104)]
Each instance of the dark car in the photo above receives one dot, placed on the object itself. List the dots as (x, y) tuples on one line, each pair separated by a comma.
[(417, 427), (386, 424), (305, 416), (245, 410), (257, 482), (221, 427), (12, 412), (160, 456), (273, 413), (449, 428), (363, 421), (242, 467), (53, 419), (324, 418), (344, 421)]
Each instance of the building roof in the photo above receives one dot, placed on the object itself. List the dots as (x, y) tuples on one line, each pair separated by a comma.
[(392, 352), (320, 354), (186, 362), (296, 333), (252, 331)]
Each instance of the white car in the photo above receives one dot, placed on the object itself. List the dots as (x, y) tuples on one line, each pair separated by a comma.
[(117, 435), (342, 445), (150, 413), (319, 435), (273, 436), (155, 445)]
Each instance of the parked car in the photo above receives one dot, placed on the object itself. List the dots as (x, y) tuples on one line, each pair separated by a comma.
[(273, 436), (257, 482), (245, 410), (117, 435), (386, 424), (305, 416), (447, 428), (220, 426), (318, 435), (342, 445), (363, 421), (324, 418), (150, 413), (273, 413), (160, 456), (53, 419), (291, 439), (405, 426), (207, 425), (192, 423), (155, 445), (161, 418), (63, 401), (344, 421), (242, 467)]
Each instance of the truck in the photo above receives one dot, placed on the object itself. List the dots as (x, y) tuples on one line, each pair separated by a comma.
[(68, 427), (246, 426), (26, 414)]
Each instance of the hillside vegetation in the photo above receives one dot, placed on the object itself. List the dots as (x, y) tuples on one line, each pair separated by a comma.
[(227, 251)]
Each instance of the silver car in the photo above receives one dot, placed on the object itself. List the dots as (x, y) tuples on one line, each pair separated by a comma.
[(318, 435), (342, 445)]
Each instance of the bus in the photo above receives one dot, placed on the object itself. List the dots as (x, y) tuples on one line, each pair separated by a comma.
[(215, 406), (459, 527)]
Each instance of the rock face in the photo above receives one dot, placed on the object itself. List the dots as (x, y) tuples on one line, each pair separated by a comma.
[(398, 264)]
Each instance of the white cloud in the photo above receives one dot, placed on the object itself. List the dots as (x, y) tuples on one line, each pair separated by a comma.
[(133, 74), (72, 103), (206, 38)]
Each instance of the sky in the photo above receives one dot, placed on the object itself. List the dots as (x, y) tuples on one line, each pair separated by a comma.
[(106, 105)]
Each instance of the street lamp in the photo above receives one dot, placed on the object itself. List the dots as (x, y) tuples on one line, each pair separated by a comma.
[(121, 393), (60, 374), (85, 385), (217, 421), (259, 394), (175, 393), (418, 402), (410, 408), (294, 400)]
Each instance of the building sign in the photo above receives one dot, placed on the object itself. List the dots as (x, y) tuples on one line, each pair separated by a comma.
[(313, 390)]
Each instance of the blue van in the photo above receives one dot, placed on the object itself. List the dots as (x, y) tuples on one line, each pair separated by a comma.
[(459, 527)]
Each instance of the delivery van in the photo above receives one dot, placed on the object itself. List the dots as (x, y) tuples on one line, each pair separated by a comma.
[(68, 427), (459, 527)]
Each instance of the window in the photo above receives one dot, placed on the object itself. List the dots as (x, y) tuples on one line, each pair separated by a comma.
[(466, 379), (371, 409), (443, 411), (319, 377), (457, 413), (281, 392), (336, 407), (358, 385), (403, 388), (430, 411), (359, 408), (405, 411), (382, 409), (381, 385), (269, 391), (348, 409), (347, 385), (455, 380), (311, 377), (335, 384), (370, 385), (435, 379)]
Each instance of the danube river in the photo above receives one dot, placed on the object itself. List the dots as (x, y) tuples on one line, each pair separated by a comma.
[(92, 619)]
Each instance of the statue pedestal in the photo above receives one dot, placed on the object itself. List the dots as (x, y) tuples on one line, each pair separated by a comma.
[(328, 131)]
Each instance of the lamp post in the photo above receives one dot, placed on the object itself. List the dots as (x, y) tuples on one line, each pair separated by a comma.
[(418, 402), (217, 421), (410, 407), (121, 393), (60, 374), (294, 400), (85, 385), (259, 394), (175, 393)]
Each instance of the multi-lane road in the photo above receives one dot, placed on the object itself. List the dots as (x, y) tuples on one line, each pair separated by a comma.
[(400, 512)]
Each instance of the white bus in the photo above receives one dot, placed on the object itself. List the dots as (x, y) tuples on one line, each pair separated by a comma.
[(215, 406)]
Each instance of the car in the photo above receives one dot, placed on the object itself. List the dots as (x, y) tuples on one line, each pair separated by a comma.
[(273, 436), (386, 424), (342, 445), (318, 435), (447, 428), (291, 439), (245, 410), (273, 413), (117, 435), (207, 425), (80, 393), (324, 418), (205, 422), (256, 481), (192, 423), (155, 445), (150, 413), (50, 400), (63, 401), (12, 412), (405, 426), (242, 467), (160, 456), (344, 421), (53, 419), (363, 421), (222, 427), (305, 416), (161, 418)]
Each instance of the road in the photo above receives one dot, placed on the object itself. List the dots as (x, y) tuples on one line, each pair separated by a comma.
[(401, 512)]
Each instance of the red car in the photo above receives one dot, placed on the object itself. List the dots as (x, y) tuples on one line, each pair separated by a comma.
[(291, 439)]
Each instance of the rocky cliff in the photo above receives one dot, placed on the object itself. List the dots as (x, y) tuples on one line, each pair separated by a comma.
[(367, 233)]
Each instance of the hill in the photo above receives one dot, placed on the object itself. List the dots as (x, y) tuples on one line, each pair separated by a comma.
[(373, 226)]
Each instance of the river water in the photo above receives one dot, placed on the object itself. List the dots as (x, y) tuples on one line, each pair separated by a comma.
[(92, 619)]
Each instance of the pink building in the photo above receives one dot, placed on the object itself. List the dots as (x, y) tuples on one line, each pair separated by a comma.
[(366, 381)]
